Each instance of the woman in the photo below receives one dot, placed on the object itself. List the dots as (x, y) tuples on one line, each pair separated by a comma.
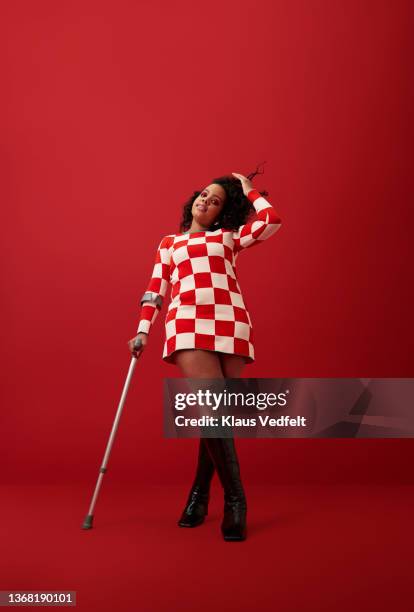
[(208, 327)]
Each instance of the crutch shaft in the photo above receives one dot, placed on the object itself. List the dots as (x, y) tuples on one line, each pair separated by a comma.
[(87, 524)]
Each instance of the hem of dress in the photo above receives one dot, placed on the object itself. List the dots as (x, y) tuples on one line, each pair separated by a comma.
[(169, 359)]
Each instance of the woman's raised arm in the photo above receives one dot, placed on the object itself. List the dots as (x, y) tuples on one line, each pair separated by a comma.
[(264, 225)]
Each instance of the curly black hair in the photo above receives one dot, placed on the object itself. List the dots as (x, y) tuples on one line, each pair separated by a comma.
[(237, 207)]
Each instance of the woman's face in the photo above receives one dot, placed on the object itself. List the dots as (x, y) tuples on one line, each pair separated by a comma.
[(208, 205)]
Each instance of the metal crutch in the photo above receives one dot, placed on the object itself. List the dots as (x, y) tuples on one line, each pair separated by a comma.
[(87, 523)]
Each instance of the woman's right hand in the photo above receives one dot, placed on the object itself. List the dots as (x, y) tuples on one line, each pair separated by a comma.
[(144, 339)]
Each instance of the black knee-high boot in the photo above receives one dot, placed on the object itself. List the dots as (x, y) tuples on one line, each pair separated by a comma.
[(197, 503), (223, 452)]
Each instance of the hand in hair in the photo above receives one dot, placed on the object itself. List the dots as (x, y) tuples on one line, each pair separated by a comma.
[(247, 185)]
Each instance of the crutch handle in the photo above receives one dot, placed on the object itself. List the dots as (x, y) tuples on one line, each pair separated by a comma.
[(137, 343)]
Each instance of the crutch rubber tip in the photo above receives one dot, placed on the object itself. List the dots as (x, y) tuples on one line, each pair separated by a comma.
[(87, 523)]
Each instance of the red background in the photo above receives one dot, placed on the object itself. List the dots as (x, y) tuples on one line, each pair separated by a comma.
[(112, 114), (110, 119)]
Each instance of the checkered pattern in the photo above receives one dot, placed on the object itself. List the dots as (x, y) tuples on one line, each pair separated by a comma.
[(206, 310)]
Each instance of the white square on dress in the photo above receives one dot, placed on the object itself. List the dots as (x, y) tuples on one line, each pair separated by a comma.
[(236, 299), (241, 330), (223, 312), (215, 248), (205, 326), (157, 272), (196, 239), (219, 280), (165, 256), (200, 264), (174, 275), (187, 283), (205, 295), (170, 329), (229, 268), (180, 255), (186, 311), (224, 343), (185, 340)]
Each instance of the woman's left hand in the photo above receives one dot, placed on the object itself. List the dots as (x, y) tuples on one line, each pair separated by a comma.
[(246, 183)]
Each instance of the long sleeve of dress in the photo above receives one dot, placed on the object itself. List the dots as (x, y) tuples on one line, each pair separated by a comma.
[(264, 225), (151, 301)]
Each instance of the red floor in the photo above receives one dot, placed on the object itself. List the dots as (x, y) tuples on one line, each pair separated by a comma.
[(309, 547)]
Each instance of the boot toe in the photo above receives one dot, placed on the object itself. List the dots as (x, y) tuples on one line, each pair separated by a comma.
[(195, 511), (190, 521), (233, 526)]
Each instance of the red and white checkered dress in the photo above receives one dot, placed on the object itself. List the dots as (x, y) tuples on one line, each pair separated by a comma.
[(207, 310)]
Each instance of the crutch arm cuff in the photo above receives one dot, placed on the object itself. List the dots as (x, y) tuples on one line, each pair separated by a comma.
[(151, 296)]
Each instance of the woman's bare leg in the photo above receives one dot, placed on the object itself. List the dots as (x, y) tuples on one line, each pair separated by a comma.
[(197, 363), (231, 365)]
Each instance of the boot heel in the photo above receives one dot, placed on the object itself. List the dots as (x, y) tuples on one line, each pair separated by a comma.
[(233, 526)]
